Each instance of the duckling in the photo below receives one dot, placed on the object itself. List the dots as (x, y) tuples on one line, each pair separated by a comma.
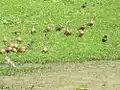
[(45, 50), (84, 5), (91, 22), (104, 39), (59, 28), (82, 27), (2, 51), (9, 62), (19, 39), (81, 33), (33, 30), (16, 32), (5, 39), (67, 32)]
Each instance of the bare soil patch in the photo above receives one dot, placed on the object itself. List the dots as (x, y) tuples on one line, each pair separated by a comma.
[(94, 75)]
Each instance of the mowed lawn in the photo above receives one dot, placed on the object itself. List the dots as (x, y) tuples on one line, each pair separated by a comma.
[(21, 15)]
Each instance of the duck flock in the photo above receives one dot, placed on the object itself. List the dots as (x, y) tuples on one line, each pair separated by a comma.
[(15, 48)]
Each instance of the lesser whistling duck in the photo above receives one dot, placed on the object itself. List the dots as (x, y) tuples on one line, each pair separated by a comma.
[(14, 50), (19, 39), (33, 30), (13, 45), (81, 33), (8, 49), (47, 28), (91, 22), (5, 39), (22, 49), (2, 51), (67, 32), (45, 50), (16, 32), (59, 27), (82, 27)]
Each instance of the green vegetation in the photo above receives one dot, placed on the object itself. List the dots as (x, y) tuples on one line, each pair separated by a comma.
[(23, 14), (80, 89), (13, 71)]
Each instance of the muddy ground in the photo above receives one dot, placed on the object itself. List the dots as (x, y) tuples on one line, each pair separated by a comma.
[(94, 75)]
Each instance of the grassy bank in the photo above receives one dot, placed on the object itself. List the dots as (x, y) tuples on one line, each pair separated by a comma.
[(22, 15)]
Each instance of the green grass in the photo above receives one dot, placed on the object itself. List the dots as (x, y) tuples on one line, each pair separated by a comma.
[(6, 71), (22, 14)]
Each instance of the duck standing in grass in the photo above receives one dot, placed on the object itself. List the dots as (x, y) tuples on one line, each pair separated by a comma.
[(25, 48), (46, 31), (45, 49), (22, 49), (47, 28), (14, 50), (19, 39), (33, 30), (5, 39), (16, 32), (91, 23), (2, 51), (80, 33), (9, 62), (8, 49), (67, 32), (59, 28), (84, 5), (104, 39), (82, 27)]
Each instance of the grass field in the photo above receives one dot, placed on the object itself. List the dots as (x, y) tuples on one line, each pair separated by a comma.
[(22, 15)]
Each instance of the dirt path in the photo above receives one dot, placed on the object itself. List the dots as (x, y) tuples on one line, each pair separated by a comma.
[(94, 75)]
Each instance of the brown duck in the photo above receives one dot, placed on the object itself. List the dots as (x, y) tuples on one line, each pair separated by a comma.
[(5, 39), (67, 32), (45, 50), (81, 33), (22, 49), (47, 28), (8, 49), (59, 28), (14, 50), (82, 27), (2, 51), (91, 23), (16, 32), (19, 39), (33, 30)]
